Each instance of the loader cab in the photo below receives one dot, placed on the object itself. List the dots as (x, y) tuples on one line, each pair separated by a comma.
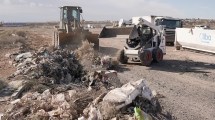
[(70, 18)]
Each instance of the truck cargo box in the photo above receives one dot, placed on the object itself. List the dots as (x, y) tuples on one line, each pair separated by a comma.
[(196, 39)]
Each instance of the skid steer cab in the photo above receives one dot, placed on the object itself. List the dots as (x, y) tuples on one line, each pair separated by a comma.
[(146, 43), (70, 31)]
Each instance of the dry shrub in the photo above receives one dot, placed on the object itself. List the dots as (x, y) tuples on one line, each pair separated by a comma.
[(86, 51), (87, 55), (19, 40), (9, 40), (35, 86), (12, 42), (21, 33), (2, 84), (115, 62), (5, 33)]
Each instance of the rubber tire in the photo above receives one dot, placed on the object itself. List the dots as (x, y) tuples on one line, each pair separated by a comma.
[(145, 57), (177, 47), (172, 43), (122, 58), (157, 55)]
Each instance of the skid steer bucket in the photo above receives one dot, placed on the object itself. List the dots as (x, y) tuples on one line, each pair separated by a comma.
[(114, 32)]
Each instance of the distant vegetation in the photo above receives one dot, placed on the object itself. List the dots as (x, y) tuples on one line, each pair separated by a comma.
[(186, 23), (192, 22)]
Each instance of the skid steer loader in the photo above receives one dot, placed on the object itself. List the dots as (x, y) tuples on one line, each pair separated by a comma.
[(145, 43), (70, 32)]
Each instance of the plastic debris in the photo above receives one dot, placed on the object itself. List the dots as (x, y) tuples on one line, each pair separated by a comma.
[(126, 94), (141, 115)]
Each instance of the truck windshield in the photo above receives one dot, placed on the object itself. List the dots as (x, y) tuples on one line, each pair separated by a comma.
[(170, 23)]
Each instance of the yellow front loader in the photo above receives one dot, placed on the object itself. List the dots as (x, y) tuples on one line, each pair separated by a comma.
[(70, 33)]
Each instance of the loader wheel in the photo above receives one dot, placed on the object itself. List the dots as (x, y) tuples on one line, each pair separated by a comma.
[(157, 55), (145, 57), (122, 58)]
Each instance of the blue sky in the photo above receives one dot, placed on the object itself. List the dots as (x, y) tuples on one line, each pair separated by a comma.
[(47, 10)]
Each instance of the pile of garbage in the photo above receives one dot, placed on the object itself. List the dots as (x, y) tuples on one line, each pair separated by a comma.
[(59, 66), (76, 92), (119, 103)]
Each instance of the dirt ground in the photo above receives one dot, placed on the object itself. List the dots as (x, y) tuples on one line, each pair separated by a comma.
[(36, 37), (185, 79)]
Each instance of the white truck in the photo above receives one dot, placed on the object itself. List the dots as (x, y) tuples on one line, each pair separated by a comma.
[(123, 22), (169, 23), (198, 38)]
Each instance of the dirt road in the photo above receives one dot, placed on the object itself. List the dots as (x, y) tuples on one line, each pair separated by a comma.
[(186, 80)]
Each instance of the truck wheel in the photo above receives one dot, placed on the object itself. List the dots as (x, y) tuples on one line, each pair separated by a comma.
[(122, 58), (157, 55), (172, 43), (145, 57), (177, 47)]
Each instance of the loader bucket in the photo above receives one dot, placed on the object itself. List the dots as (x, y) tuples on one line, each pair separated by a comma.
[(93, 38), (114, 32), (65, 40), (74, 39)]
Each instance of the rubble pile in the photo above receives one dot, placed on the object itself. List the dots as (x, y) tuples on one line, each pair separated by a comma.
[(109, 62), (122, 102), (75, 92), (131, 101), (68, 103), (59, 66), (43, 106)]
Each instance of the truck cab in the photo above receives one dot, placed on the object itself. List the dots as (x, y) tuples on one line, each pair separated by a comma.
[(170, 24)]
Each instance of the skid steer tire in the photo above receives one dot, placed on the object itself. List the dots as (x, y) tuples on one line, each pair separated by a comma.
[(122, 58), (145, 57), (157, 55)]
